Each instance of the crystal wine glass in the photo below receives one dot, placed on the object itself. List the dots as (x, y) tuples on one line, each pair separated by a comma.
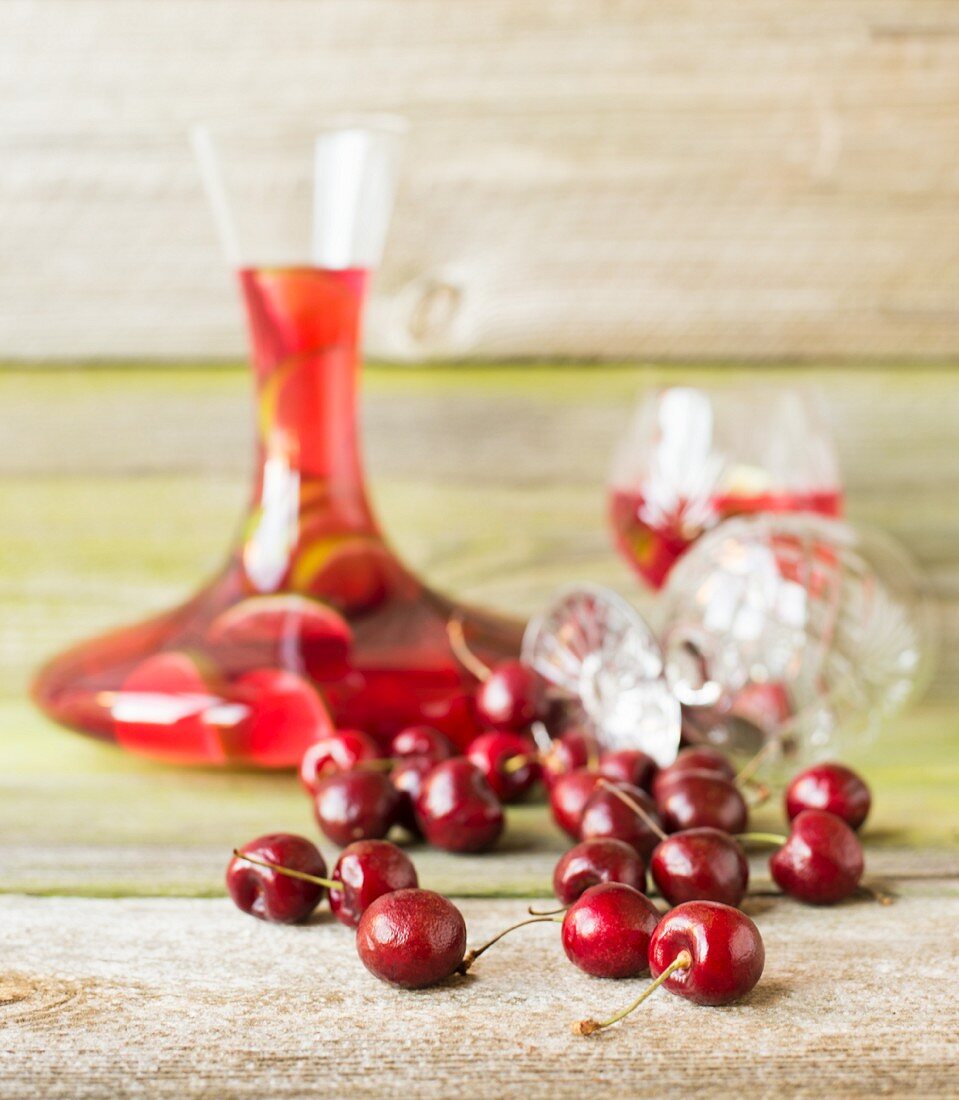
[(790, 635), (811, 630), (693, 457), (596, 648)]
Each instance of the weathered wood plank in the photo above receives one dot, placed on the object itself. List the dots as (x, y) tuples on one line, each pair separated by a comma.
[(77, 817), (191, 998), (584, 178)]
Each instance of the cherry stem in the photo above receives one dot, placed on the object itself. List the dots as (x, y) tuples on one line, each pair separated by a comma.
[(749, 769), (379, 764), (515, 764), (634, 806), (545, 912), (471, 956), (876, 894), (330, 884), (760, 795), (762, 838), (462, 652), (683, 961)]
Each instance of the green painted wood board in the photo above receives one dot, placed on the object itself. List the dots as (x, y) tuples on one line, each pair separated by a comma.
[(80, 817)]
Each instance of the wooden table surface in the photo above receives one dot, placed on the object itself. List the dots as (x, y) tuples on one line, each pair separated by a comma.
[(124, 970)]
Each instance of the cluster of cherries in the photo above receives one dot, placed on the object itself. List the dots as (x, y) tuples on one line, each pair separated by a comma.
[(685, 825), (404, 935), (454, 802)]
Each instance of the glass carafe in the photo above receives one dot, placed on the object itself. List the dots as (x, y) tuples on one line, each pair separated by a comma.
[(314, 620)]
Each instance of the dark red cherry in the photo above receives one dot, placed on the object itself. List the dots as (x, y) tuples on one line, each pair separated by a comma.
[(268, 894), (700, 758), (456, 808), (407, 777), (700, 865), (411, 938), (568, 797), (605, 815), (567, 753), (821, 862), (340, 751), (725, 948), (832, 787), (709, 953), (511, 697), (422, 741), (356, 805), (508, 762), (703, 758), (694, 800), (629, 766), (606, 931), (366, 870), (592, 862)]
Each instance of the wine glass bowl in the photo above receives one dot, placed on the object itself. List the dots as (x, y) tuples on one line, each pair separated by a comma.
[(595, 648), (814, 629), (693, 457)]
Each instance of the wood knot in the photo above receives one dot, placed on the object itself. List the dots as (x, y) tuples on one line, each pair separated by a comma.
[(32, 998), (14, 988), (434, 311)]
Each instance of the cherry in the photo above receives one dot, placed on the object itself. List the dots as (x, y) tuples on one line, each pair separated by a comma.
[(411, 938), (592, 862), (366, 870), (607, 814), (457, 810), (700, 865), (700, 758), (832, 787), (268, 894), (703, 758), (407, 777), (422, 741), (629, 766), (264, 622), (568, 797), (175, 674), (725, 947), (711, 954), (339, 751), (569, 752), (821, 862), (698, 799), (285, 716), (511, 696), (607, 930), (507, 761), (356, 805)]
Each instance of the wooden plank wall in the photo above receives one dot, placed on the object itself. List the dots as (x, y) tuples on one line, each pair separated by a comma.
[(700, 178)]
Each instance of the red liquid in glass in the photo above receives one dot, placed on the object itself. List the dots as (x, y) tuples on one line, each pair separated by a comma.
[(653, 543), (313, 621)]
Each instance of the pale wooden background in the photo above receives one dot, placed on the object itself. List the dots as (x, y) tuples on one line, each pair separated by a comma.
[(698, 178)]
